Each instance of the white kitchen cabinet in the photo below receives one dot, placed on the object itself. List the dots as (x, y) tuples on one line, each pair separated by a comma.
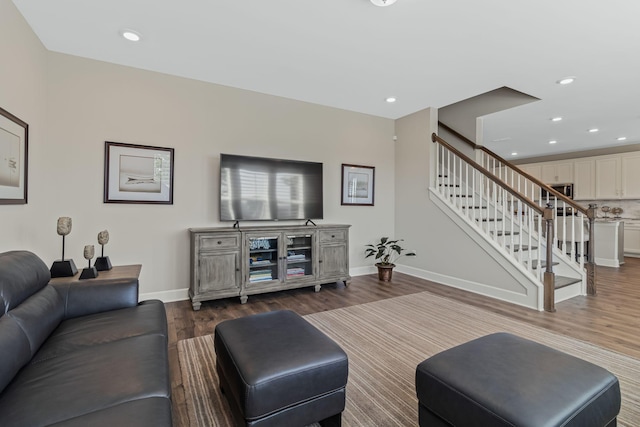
[(608, 177), (632, 239), (533, 169), (584, 179), (630, 176), (557, 172)]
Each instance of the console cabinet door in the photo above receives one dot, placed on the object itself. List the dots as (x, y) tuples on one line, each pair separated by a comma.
[(333, 259), (215, 267), (332, 262), (219, 272)]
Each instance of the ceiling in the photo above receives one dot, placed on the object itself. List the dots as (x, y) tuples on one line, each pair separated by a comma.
[(352, 55)]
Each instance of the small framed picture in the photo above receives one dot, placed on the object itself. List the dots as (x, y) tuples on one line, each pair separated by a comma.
[(14, 156), (137, 174), (358, 185)]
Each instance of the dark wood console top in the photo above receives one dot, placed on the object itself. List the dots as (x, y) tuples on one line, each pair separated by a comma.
[(117, 272)]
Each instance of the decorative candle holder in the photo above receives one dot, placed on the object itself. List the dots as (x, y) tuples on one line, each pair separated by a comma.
[(89, 272), (103, 263), (62, 267)]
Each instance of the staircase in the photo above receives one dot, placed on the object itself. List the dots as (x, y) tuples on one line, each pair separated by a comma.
[(518, 216)]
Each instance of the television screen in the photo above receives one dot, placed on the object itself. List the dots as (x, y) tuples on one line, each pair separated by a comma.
[(258, 188)]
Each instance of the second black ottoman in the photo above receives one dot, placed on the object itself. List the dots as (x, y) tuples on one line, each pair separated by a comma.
[(276, 369), (505, 380)]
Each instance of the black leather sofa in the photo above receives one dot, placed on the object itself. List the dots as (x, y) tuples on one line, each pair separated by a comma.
[(81, 354)]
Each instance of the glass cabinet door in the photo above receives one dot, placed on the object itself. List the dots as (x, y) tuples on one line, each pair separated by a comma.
[(299, 256), (263, 259)]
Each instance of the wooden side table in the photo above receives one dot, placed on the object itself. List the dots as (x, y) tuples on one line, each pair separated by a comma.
[(116, 273)]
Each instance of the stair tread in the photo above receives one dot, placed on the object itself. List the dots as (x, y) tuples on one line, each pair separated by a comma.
[(563, 281), (506, 233), (488, 219), (534, 263), (517, 248)]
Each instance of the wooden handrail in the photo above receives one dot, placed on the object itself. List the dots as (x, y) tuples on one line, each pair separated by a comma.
[(531, 178), (459, 135), (489, 175)]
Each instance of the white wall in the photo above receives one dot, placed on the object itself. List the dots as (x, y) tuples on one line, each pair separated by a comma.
[(445, 253), (22, 93), (89, 102)]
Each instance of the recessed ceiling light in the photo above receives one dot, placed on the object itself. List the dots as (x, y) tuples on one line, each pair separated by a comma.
[(594, 130), (556, 119), (391, 99), (566, 80), (131, 35), (553, 141), (622, 138), (383, 2), (514, 154)]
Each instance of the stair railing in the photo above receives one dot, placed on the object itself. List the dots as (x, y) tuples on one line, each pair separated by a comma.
[(574, 225), (506, 217)]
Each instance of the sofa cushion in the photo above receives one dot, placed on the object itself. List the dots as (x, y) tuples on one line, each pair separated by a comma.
[(87, 380), (25, 328), (151, 412), (15, 351), (83, 298), (149, 318), (22, 274), (38, 316)]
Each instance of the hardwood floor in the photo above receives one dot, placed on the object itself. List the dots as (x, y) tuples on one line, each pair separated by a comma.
[(610, 319)]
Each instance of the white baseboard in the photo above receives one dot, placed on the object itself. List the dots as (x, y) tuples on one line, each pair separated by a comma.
[(467, 285), (167, 296), (361, 271)]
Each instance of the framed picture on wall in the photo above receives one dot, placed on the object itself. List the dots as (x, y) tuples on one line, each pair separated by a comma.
[(14, 156), (137, 174), (358, 185)]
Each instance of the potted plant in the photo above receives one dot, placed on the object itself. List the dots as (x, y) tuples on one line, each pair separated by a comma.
[(387, 252)]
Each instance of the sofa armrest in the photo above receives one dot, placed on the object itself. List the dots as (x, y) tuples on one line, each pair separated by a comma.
[(81, 299)]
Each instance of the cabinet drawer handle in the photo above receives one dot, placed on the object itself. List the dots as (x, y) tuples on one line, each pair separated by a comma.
[(219, 242), (333, 236), (320, 261)]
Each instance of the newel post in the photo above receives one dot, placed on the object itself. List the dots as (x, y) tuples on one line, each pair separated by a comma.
[(591, 263), (549, 276)]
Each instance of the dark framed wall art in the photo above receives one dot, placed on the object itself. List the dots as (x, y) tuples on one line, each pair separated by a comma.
[(358, 185), (137, 174), (14, 159)]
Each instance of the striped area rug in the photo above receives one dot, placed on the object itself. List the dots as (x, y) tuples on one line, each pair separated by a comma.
[(385, 340)]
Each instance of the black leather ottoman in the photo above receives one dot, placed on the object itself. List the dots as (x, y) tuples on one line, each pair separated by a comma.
[(505, 380), (276, 369)]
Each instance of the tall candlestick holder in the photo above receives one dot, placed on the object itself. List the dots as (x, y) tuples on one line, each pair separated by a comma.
[(103, 263), (63, 267), (89, 272)]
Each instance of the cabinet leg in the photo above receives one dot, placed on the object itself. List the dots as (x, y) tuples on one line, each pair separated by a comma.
[(243, 299), (346, 283), (317, 288), (196, 305)]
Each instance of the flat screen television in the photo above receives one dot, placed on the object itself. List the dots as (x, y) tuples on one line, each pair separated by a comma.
[(265, 189)]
